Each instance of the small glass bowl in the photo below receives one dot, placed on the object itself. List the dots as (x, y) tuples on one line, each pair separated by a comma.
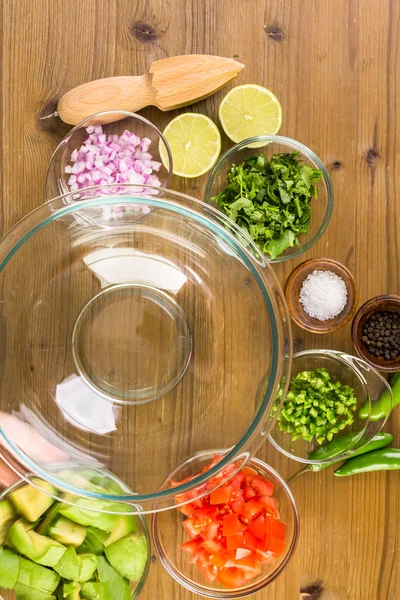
[(368, 385), (168, 536), (269, 145), (136, 587), (57, 178)]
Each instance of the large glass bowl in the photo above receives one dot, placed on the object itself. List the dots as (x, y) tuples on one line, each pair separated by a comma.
[(367, 384), (321, 207), (136, 587), (130, 343), (57, 179), (168, 536)]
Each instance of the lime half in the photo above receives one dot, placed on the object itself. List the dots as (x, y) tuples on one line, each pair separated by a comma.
[(250, 110), (195, 144)]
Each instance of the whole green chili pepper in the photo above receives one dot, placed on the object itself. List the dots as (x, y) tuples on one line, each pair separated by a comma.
[(382, 407), (386, 459), (338, 446)]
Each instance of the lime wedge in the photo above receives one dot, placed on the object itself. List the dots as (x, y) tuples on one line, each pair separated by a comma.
[(250, 110), (195, 144)]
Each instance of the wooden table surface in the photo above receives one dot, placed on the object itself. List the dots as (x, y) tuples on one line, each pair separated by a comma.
[(335, 66)]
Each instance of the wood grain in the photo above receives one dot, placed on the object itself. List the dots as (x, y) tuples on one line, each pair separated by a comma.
[(335, 66)]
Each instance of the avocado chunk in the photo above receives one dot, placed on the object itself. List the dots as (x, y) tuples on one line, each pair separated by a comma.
[(93, 542), (9, 567), (67, 532), (71, 590), (128, 555), (96, 590), (35, 576), (8, 515), (51, 515), (31, 502), (88, 566), (126, 525), (34, 546), (97, 513), (76, 567), (119, 587), (24, 592)]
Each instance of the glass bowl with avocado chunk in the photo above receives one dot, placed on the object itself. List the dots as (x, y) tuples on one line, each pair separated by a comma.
[(50, 549), (140, 328), (326, 414), (277, 190)]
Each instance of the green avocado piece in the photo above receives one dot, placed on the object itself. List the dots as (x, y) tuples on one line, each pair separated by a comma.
[(24, 592), (68, 566), (128, 555), (31, 502), (9, 567), (34, 546), (119, 587), (88, 566), (49, 517), (93, 542), (38, 577), (86, 511), (96, 590), (67, 532), (125, 526), (71, 590), (107, 483), (8, 515)]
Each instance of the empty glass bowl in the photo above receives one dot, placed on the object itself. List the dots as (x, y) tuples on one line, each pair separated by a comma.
[(58, 180), (367, 384), (321, 207), (168, 535), (135, 340), (141, 528)]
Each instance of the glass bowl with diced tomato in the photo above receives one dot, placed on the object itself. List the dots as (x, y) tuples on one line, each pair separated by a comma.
[(235, 539)]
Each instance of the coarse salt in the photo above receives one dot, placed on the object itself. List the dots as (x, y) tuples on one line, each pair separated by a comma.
[(323, 295)]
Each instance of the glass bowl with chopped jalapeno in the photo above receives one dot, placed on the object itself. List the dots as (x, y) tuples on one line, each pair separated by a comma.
[(277, 190), (326, 413)]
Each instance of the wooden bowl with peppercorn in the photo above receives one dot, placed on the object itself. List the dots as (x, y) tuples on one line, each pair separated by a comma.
[(376, 333), (322, 295)]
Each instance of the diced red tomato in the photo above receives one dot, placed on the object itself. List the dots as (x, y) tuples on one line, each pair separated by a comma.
[(260, 485), (211, 546), (257, 527), (242, 553), (220, 495), (211, 531), (278, 530), (252, 509), (271, 505), (249, 471), (238, 506), (250, 541), (232, 526), (191, 527), (192, 546), (231, 577), (249, 493), (235, 541)]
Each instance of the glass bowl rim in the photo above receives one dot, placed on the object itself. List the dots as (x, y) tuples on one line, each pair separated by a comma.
[(135, 593), (283, 140), (250, 260), (347, 359), (227, 594), (126, 114)]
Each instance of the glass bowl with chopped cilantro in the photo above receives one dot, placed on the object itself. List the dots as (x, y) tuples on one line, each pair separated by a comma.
[(277, 190), (322, 407)]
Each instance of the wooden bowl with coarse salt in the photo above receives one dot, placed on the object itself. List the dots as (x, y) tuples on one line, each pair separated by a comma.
[(322, 295)]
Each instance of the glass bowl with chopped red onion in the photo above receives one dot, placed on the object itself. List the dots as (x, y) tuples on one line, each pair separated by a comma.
[(94, 153)]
